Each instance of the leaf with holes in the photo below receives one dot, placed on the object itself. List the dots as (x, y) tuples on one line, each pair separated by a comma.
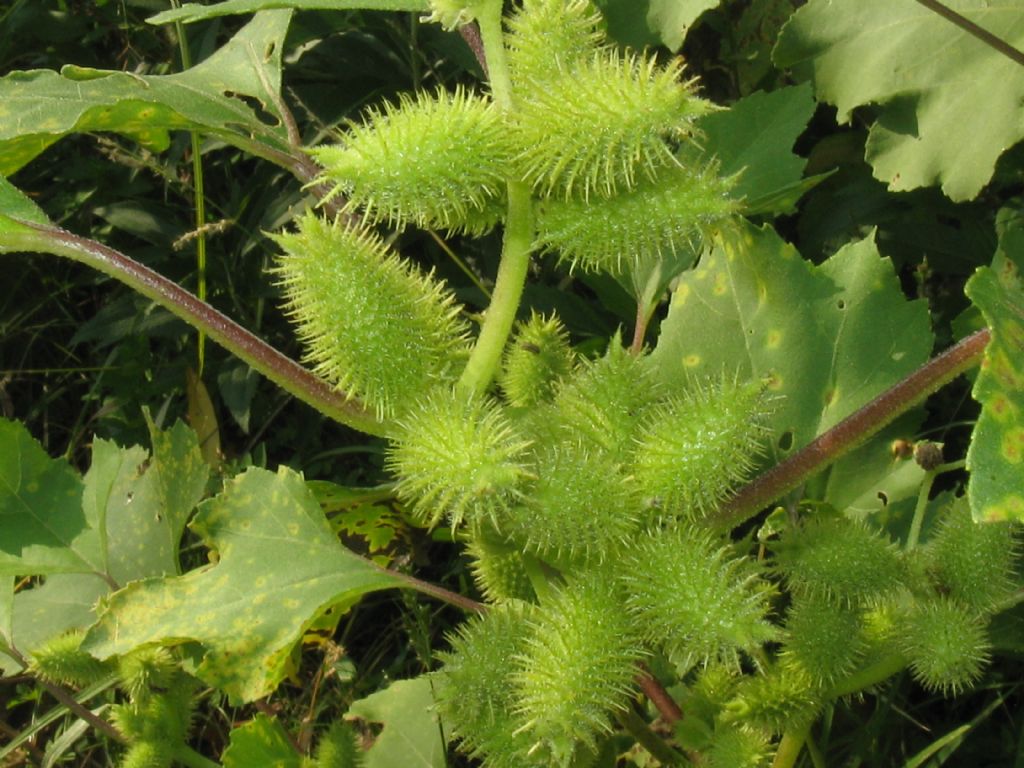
[(246, 612), (230, 95), (949, 105), (996, 454), (132, 506), (826, 338)]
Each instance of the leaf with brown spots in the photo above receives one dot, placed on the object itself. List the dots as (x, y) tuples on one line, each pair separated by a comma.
[(277, 567)]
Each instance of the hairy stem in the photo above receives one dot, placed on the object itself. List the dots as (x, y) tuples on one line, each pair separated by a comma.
[(852, 431), (660, 698), (277, 367), (444, 595)]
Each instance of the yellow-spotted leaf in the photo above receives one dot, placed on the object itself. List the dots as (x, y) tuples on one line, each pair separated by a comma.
[(131, 506), (996, 455), (277, 567), (217, 96), (44, 529), (827, 339)]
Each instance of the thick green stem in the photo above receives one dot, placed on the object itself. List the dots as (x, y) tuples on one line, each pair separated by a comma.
[(852, 431), (518, 242), (790, 746), (493, 42), (508, 290), (871, 675), (279, 368)]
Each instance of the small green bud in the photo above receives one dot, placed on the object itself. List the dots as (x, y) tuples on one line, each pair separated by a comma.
[(946, 644), (601, 128), (695, 449), (839, 560), (695, 600), (433, 161), (374, 326), (460, 458), (538, 357), (738, 747), (659, 217)]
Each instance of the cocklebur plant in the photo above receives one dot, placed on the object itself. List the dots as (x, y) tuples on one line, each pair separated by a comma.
[(588, 490), (580, 490)]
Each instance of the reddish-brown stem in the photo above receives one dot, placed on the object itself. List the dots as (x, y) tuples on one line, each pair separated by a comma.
[(276, 366), (660, 698), (471, 34), (444, 595), (852, 431)]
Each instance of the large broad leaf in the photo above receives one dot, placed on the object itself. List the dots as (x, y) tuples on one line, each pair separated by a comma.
[(411, 735), (129, 510), (949, 105), (826, 338), (996, 455), (754, 138), (44, 528), (39, 107), (278, 568), (190, 12)]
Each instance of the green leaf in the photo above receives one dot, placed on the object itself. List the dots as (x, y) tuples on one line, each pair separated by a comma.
[(65, 601), (826, 338), (412, 735), (44, 528), (134, 507), (260, 743), (949, 105), (995, 458), (246, 610), (672, 19), (190, 12), (16, 205), (639, 23), (754, 138), (39, 107)]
